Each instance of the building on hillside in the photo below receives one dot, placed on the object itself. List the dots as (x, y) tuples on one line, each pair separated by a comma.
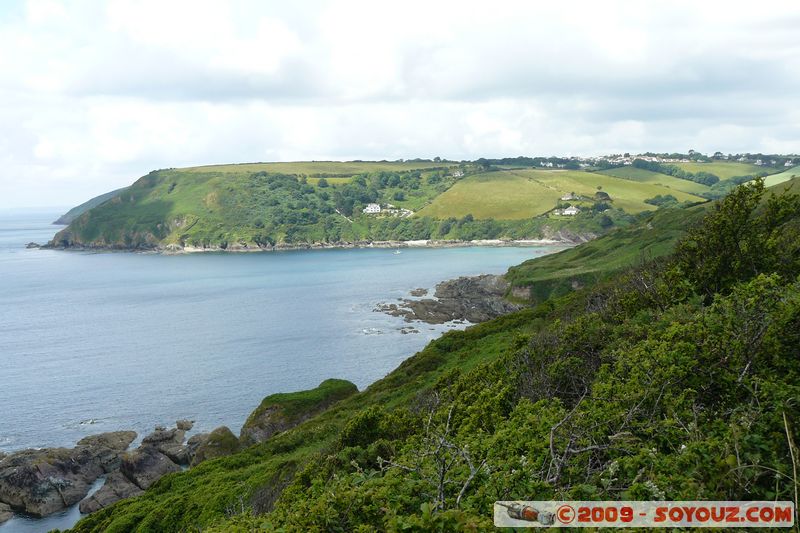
[(789, 163), (372, 209), (759, 162), (458, 173), (569, 211), (569, 196)]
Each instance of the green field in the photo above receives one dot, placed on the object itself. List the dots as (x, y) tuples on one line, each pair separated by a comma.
[(656, 178), (309, 168), (500, 195), (723, 169), (786, 175), (515, 194)]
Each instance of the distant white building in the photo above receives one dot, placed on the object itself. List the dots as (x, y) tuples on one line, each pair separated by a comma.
[(372, 209), (759, 162), (570, 211), (789, 163), (458, 173), (567, 197)]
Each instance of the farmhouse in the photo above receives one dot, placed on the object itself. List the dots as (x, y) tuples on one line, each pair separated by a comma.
[(569, 211), (372, 208), (568, 197), (458, 173)]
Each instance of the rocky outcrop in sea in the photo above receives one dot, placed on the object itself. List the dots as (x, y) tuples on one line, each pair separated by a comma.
[(44, 481), (473, 299)]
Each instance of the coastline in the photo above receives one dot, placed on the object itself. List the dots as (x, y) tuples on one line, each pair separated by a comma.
[(176, 249)]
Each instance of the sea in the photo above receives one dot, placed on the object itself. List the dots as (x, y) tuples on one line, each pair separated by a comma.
[(95, 342)]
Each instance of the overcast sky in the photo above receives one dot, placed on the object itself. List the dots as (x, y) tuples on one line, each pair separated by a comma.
[(95, 93)]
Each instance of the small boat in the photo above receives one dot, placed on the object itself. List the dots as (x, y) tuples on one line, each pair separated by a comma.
[(397, 252)]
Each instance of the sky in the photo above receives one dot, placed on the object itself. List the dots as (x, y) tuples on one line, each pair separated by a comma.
[(94, 94)]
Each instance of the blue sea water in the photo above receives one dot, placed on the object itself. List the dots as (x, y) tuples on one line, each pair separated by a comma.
[(94, 342)]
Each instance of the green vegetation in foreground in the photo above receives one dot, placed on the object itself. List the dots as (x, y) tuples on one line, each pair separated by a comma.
[(675, 380), (78, 210), (531, 192)]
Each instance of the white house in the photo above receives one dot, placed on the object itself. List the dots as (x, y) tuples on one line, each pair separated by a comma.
[(567, 197), (372, 208), (788, 163), (570, 211), (458, 173)]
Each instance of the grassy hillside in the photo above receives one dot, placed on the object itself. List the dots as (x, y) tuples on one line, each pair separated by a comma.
[(512, 194), (325, 168), (782, 177), (724, 169), (78, 210), (645, 176), (235, 207), (500, 195), (676, 379), (526, 193), (247, 207), (652, 237)]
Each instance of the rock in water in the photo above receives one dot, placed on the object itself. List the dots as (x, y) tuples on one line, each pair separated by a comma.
[(160, 453), (146, 465), (117, 487), (41, 482), (170, 443), (218, 443), (185, 425), (5, 512), (475, 299), (282, 411)]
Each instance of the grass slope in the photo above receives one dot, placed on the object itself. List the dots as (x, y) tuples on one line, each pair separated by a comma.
[(312, 168), (513, 194), (656, 178), (782, 177), (232, 207), (500, 195), (207, 207), (78, 210), (724, 169), (654, 236)]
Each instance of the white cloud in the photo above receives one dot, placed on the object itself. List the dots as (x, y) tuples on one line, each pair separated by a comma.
[(94, 94)]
